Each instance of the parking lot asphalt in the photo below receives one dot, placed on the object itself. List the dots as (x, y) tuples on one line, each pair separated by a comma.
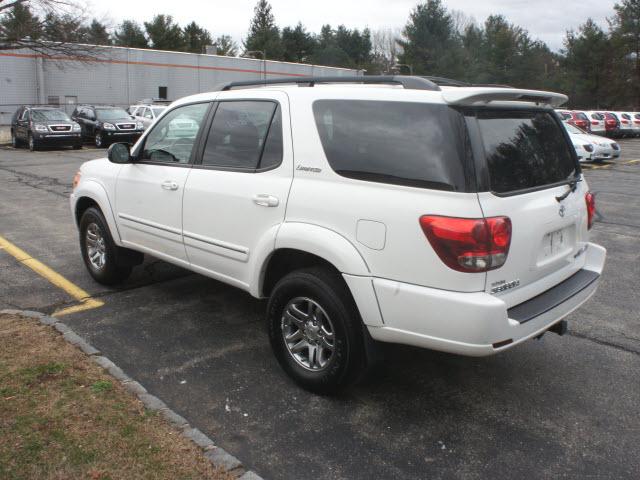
[(558, 407)]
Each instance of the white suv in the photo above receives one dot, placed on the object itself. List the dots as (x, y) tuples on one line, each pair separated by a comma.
[(365, 209)]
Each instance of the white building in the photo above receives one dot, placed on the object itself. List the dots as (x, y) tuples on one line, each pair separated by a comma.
[(125, 76)]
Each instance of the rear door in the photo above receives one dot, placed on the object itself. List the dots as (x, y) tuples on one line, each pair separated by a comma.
[(236, 196), (526, 164)]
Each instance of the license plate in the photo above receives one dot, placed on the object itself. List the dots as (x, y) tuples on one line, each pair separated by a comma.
[(554, 242)]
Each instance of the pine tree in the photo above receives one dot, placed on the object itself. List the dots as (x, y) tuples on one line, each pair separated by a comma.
[(431, 43), (19, 23), (264, 35), (298, 44), (626, 37), (196, 38), (130, 34), (95, 33), (164, 33)]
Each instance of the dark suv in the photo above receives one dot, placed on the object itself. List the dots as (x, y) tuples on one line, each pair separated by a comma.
[(44, 126), (105, 125)]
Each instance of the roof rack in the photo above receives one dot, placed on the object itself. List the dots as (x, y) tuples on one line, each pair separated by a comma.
[(408, 82)]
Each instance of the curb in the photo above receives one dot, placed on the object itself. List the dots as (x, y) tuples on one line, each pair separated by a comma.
[(217, 456)]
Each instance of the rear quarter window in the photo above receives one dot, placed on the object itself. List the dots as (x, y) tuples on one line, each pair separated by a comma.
[(524, 150), (412, 144)]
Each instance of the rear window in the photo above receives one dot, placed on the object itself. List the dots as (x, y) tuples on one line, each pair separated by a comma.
[(524, 150), (581, 116), (401, 143)]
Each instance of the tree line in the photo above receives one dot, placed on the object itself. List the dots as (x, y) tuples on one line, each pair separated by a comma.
[(598, 68)]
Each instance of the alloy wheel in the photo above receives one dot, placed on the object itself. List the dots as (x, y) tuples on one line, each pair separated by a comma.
[(308, 333), (96, 247), (98, 140)]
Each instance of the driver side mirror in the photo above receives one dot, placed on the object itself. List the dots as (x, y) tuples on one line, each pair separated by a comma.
[(119, 153)]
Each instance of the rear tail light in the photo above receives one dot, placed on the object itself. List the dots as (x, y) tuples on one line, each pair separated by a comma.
[(469, 244), (590, 199), (593, 122)]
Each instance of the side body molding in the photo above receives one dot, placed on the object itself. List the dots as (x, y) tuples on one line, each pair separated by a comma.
[(97, 192)]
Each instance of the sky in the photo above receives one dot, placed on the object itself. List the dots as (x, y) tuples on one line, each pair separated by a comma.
[(547, 20)]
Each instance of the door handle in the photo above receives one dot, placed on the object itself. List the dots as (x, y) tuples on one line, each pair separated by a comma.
[(170, 185), (265, 200)]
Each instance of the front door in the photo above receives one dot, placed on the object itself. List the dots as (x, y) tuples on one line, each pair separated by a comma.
[(236, 194), (149, 191)]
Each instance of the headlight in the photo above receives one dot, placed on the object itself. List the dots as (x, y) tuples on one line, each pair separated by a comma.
[(588, 148), (108, 126), (140, 126), (40, 128), (76, 127)]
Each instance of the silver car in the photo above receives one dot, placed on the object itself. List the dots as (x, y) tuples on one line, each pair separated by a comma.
[(147, 114)]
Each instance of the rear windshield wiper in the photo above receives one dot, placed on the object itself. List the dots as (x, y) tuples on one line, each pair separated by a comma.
[(573, 185)]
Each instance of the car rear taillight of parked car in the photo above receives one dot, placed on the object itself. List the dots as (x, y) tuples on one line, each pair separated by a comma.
[(590, 199), (469, 244)]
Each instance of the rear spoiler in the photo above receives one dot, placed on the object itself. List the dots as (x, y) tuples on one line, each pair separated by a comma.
[(482, 95)]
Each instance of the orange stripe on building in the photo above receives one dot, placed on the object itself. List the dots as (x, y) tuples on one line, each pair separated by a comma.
[(147, 64)]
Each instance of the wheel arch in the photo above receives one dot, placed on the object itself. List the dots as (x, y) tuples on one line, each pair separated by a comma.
[(301, 245), (91, 193)]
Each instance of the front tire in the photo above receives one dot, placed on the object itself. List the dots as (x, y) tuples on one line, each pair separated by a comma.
[(33, 146), (99, 252), (99, 140), (14, 140), (315, 330)]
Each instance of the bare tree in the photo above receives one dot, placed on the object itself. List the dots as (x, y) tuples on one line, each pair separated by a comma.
[(51, 28), (385, 49)]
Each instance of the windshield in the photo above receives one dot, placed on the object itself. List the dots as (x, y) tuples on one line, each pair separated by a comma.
[(49, 115), (573, 129), (111, 114), (158, 110), (524, 149)]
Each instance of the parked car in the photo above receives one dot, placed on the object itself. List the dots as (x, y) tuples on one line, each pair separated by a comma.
[(579, 119), (592, 147), (105, 125), (44, 127), (635, 123), (625, 127), (465, 250), (597, 121), (611, 125), (147, 114)]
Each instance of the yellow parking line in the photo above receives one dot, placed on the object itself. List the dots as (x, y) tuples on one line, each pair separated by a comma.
[(631, 162), (86, 302)]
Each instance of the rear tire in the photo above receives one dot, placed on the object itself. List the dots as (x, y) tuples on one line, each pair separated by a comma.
[(315, 330), (102, 257)]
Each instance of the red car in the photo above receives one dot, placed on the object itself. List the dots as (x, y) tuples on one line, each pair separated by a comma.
[(578, 119)]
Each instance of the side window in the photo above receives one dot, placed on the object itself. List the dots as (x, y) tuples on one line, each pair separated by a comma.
[(172, 139), (272, 154), (238, 132), (24, 115), (147, 114)]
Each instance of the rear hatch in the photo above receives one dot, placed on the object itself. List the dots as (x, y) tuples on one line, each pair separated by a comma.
[(527, 171)]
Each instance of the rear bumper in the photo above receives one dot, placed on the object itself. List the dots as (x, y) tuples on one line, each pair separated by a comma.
[(475, 324)]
